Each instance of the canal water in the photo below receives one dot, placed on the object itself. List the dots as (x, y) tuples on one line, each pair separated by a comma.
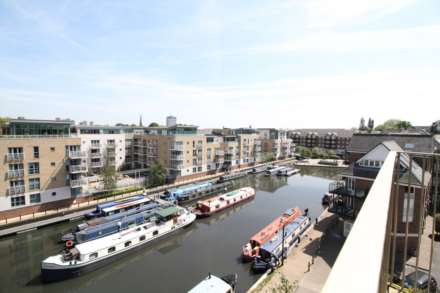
[(177, 263)]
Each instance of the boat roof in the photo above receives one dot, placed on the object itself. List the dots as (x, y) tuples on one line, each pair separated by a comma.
[(119, 201), (211, 284), (230, 193), (104, 242), (125, 204), (191, 187), (267, 232), (271, 245), (168, 211)]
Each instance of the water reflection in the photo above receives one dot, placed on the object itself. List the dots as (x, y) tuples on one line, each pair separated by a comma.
[(176, 263)]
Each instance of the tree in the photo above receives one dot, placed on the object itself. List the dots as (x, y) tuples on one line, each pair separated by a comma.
[(285, 286), (268, 157), (3, 121), (108, 173), (362, 124), (156, 176), (370, 124), (394, 124), (153, 124)]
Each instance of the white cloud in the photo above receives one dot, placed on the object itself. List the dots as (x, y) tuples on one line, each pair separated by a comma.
[(329, 13)]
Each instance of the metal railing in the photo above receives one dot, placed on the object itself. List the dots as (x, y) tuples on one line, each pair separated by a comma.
[(95, 154), (15, 173), (77, 183), (76, 154), (77, 168), (14, 190), (96, 164), (14, 157), (95, 145), (176, 147), (176, 158)]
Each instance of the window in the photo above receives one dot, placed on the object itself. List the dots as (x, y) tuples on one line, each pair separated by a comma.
[(408, 197), (36, 152), (142, 238), (35, 198), (194, 170), (17, 201), (34, 168), (127, 244), (54, 193), (52, 149), (111, 249), (93, 255), (155, 233), (52, 164), (34, 183)]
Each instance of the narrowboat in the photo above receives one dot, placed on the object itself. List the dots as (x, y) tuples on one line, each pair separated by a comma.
[(115, 207), (205, 208), (271, 252), (194, 191), (214, 284), (258, 170), (250, 249), (274, 171), (91, 255), (230, 176), (288, 172), (89, 233)]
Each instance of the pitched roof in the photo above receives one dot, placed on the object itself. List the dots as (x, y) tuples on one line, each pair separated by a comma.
[(362, 143)]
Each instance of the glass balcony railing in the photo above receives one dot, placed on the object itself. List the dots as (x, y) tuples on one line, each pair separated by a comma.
[(11, 157), (16, 173), (14, 190)]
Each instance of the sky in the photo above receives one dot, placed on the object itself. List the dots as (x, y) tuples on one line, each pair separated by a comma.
[(286, 64)]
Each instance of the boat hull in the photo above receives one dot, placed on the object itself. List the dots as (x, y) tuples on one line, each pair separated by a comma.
[(201, 215), (56, 273)]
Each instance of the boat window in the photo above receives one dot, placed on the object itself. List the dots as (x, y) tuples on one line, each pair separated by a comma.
[(128, 243), (131, 224), (111, 249), (155, 232), (93, 255), (138, 229), (142, 238), (145, 227)]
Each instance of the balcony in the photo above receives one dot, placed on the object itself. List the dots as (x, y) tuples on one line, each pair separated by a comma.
[(77, 169), (176, 167), (95, 155), (14, 190), (78, 183), (14, 157), (176, 147), (14, 174), (96, 164), (176, 158), (95, 146), (76, 154), (219, 153)]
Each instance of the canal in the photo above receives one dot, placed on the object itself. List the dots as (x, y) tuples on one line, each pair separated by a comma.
[(177, 263)]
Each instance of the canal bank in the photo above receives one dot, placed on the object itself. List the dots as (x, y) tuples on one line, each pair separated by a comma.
[(176, 263), (306, 268), (32, 221)]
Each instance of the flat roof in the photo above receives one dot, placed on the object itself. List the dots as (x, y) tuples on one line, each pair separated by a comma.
[(37, 121)]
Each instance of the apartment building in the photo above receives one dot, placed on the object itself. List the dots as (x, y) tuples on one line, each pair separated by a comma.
[(41, 163), (179, 148), (333, 139), (275, 142), (353, 188)]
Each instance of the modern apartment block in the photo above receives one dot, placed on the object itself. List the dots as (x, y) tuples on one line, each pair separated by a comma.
[(275, 142), (41, 163), (333, 139), (102, 145)]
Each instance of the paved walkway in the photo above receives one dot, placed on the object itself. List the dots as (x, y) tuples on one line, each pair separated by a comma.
[(31, 221), (301, 268)]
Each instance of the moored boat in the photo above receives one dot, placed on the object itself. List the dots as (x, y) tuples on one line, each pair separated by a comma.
[(117, 206), (88, 256), (231, 176), (212, 205), (257, 170), (271, 252), (274, 171), (288, 172), (214, 284), (251, 249)]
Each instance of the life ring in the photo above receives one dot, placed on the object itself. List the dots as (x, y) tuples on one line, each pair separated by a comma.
[(69, 243)]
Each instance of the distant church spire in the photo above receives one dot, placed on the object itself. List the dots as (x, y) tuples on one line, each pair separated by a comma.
[(140, 120)]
